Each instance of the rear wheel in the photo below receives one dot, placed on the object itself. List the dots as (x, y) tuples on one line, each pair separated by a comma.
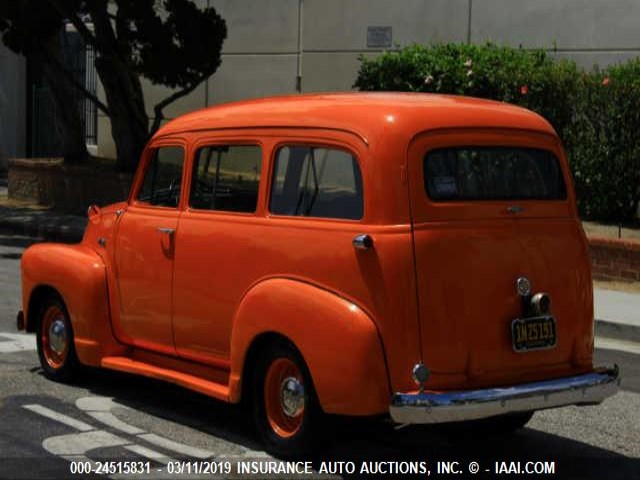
[(55, 343), (284, 402)]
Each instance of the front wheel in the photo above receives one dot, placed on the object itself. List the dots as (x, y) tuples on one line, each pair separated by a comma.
[(284, 403), (55, 343)]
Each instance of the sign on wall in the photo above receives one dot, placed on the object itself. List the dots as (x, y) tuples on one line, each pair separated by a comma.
[(379, 37)]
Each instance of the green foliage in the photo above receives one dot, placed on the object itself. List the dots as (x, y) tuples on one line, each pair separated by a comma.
[(605, 151), (596, 114), (175, 43)]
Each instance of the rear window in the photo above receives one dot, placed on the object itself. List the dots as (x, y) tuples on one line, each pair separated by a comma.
[(493, 173)]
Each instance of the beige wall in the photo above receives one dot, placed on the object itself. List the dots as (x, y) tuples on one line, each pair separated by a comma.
[(271, 42)]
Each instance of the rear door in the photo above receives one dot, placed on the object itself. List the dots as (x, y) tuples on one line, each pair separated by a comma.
[(490, 206)]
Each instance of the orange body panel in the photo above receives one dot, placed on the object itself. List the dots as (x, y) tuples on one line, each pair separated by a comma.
[(340, 342), (77, 273), (469, 295), (144, 275), (436, 287)]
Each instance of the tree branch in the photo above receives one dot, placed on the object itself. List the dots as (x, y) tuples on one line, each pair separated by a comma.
[(77, 22), (157, 110)]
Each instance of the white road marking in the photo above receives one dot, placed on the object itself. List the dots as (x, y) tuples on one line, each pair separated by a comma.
[(17, 342), (73, 447), (99, 408), (619, 345), (149, 453), (175, 446), (59, 417), (97, 404), (81, 443), (112, 421)]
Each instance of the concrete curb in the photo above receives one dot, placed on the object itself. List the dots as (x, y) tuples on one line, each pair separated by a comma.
[(617, 331)]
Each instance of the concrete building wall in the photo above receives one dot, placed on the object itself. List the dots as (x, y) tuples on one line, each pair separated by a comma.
[(13, 81), (273, 42), (588, 31)]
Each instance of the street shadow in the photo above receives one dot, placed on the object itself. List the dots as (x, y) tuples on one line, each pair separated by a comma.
[(55, 226), (16, 241), (368, 440)]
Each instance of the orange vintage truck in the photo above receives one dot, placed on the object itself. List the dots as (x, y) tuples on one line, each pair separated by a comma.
[(356, 254)]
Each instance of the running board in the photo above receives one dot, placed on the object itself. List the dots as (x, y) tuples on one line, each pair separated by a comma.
[(206, 387)]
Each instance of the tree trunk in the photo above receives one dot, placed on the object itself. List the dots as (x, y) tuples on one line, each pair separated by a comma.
[(129, 121)]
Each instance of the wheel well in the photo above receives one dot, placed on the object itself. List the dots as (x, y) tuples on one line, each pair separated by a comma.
[(38, 295), (258, 345)]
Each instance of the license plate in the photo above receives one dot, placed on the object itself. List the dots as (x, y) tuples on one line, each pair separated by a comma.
[(536, 333)]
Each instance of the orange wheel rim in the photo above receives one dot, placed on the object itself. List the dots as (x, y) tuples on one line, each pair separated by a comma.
[(284, 397), (55, 335)]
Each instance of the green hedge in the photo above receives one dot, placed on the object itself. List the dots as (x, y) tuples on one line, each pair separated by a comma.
[(597, 113)]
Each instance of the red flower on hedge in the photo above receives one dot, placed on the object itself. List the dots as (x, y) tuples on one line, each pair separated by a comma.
[(524, 90), (606, 81)]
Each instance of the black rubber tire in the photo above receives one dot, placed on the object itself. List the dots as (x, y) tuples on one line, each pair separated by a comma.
[(70, 368), (307, 438)]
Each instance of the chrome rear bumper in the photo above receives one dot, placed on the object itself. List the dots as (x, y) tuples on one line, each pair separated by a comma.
[(456, 406)]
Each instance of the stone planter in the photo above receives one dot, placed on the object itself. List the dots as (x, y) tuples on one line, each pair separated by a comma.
[(52, 183), (31, 179)]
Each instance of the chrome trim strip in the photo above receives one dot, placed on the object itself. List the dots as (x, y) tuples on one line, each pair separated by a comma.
[(456, 406)]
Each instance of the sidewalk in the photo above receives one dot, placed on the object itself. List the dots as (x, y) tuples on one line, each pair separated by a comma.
[(617, 313), (621, 311)]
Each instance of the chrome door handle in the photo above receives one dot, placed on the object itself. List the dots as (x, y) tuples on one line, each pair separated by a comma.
[(362, 242), (167, 230)]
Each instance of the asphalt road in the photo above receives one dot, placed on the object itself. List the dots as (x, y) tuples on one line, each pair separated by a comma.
[(45, 426)]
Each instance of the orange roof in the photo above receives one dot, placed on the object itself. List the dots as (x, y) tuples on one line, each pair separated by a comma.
[(362, 113)]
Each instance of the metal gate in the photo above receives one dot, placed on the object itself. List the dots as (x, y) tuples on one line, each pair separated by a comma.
[(45, 119)]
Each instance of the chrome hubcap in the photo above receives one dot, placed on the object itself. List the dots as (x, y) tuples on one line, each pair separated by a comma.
[(57, 336), (292, 396)]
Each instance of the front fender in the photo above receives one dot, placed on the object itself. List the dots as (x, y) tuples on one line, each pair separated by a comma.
[(338, 341), (78, 274)]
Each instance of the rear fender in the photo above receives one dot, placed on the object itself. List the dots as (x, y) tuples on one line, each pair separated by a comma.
[(78, 275), (338, 341)]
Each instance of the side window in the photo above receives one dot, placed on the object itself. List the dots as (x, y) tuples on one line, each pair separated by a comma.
[(161, 185), (316, 182), (226, 178)]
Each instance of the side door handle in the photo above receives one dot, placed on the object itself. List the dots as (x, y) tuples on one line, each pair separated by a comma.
[(167, 230), (362, 242)]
